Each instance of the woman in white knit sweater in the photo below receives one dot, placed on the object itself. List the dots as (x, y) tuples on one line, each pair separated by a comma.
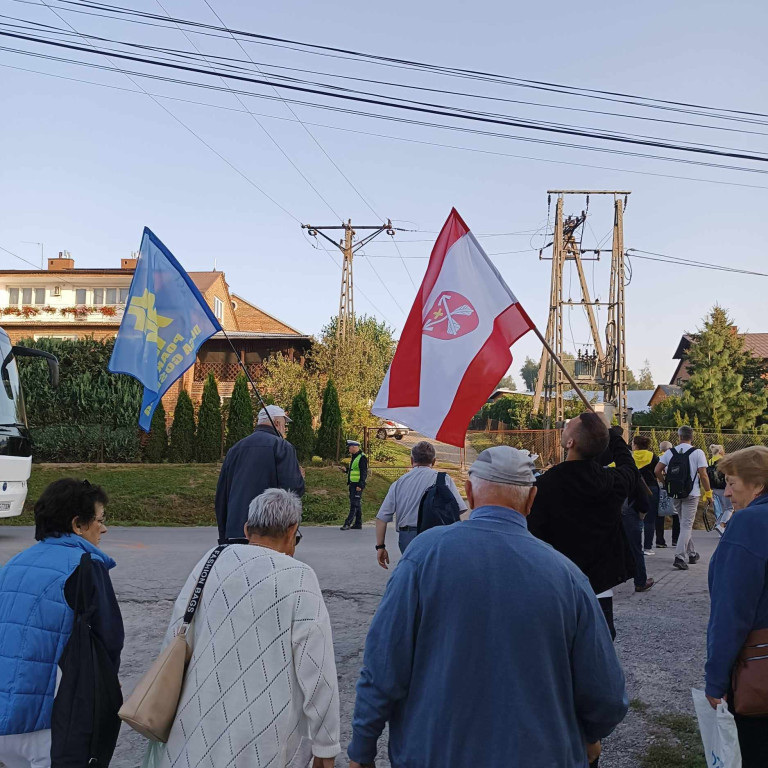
[(261, 687)]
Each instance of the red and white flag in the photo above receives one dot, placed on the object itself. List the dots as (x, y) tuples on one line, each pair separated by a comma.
[(454, 348)]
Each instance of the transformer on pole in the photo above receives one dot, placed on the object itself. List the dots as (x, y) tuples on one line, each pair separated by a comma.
[(605, 368)]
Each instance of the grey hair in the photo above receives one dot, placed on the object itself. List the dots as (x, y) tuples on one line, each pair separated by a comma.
[(273, 512), (717, 450), (665, 445), (685, 433), (423, 453), (514, 496)]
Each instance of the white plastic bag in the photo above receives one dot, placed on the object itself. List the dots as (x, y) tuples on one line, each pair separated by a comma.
[(718, 733)]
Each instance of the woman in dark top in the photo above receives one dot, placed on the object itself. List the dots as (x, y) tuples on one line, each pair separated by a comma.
[(646, 461), (38, 589)]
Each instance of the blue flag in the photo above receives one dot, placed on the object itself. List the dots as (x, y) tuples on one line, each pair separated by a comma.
[(166, 321)]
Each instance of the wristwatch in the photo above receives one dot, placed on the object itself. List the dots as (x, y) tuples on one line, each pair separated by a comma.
[(380, 546)]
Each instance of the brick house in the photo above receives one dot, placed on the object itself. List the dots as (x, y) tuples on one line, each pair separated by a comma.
[(755, 343), (68, 303)]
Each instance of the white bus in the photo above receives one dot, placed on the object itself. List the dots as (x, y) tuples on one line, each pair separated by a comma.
[(15, 441)]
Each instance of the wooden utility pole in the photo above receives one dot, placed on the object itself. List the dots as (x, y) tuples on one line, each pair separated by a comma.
[(345, 326), (607, 368)]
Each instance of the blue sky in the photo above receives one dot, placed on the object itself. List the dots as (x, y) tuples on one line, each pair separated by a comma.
[(86, 168)]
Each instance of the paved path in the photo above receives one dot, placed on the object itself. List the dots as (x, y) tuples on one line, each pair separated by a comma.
[(443, 452), (661, 637)]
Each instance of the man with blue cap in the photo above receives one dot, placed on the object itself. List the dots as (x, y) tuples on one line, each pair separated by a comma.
[(489, 647), (357, 474)]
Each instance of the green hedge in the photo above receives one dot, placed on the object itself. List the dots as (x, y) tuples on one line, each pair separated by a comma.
[(85, 443)]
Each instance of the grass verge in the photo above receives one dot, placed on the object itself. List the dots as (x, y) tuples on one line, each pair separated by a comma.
[(183, 494), (678, 742)]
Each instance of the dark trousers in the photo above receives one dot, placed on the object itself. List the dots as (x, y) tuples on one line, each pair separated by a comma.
[(660, 520), (753, 741), (633, 528), (649, 524), (606, 603), (355, 516)]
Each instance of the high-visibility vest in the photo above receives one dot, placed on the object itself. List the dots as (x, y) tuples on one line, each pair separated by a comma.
[(354, 468)]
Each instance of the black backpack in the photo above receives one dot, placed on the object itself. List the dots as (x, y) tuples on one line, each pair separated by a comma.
[(679, 482), (438, 506), (716, 478)]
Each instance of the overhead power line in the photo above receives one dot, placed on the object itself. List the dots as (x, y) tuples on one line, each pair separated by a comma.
[(408, 105), (390, 137), (638, 100)]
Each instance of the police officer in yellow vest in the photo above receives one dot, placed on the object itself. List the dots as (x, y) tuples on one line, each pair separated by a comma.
[(356, 477)]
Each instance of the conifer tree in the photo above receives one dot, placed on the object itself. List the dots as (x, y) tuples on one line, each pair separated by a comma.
[(208, 442), (717, 364), (156, 446), (328, 436), (181, 449), (300, 432), (240, 420)]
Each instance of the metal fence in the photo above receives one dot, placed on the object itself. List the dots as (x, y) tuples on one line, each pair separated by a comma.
[(543, 443), (731, 441)]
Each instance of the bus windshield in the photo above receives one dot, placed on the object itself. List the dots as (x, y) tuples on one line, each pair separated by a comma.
[(11, 404)]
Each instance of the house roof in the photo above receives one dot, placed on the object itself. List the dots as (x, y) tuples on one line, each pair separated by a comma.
[(253, 318), (756, 343), (257, 335), (204, 280)]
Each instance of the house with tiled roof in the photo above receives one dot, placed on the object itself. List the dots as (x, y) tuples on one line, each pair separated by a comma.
[(71, 303), (756, 343)]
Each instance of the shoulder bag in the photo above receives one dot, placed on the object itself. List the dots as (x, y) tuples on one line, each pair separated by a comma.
[(750, 676), (151, 708)]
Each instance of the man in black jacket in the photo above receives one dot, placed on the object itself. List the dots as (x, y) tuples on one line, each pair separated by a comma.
[(257, 462), (578, 505)]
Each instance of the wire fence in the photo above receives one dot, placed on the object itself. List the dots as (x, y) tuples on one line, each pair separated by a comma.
[(731, 441)]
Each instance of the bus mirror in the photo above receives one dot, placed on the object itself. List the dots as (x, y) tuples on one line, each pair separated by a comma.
[(52, 360)]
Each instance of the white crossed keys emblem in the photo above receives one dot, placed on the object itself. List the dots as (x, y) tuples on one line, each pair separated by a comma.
[(441, 320)]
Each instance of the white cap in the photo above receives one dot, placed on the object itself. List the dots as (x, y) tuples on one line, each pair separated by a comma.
[(275, 411)]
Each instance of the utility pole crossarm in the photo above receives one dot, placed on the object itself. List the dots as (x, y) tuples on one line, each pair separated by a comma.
[(345, 327)]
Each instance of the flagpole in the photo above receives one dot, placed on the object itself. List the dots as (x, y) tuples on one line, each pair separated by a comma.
[(253, 383), (563, 369)]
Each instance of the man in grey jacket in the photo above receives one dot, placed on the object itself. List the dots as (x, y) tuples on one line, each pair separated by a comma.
[(264, 459)]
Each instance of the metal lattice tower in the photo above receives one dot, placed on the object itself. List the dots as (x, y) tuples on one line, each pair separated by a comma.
[(606, 368)]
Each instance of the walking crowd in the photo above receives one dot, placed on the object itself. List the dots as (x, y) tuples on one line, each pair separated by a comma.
[(492, 644)]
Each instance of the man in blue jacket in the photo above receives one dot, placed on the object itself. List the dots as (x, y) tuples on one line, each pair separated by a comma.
[(262, 460), (489, 647)]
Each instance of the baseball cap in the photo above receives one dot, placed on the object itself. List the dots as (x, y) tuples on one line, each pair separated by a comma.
[(275, 411), (503, 464)]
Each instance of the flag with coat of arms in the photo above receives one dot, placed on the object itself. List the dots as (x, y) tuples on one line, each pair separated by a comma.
[(454, 347), (166, 320)]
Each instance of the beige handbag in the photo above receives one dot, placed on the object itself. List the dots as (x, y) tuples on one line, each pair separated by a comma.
[(151, 708)]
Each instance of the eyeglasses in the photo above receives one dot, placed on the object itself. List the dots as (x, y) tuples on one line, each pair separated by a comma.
[(299, 537)]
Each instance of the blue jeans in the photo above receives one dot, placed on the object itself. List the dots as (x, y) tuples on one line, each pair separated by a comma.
[(649, 524), (633, 528), (404, 538)]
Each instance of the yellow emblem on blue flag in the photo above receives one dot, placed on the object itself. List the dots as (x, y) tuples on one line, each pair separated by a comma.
[(165, 322)]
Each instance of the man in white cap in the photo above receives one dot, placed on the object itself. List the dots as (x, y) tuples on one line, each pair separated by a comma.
[(489, 647), (262, 460)]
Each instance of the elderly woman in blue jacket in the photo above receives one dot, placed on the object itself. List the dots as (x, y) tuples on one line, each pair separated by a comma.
[(38, 588), (738, 586)]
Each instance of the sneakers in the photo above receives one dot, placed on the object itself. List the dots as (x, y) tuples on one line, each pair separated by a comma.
[(345, 527), (661, 546), (674, 543), (648, 584), (648, 552), (680, 564), (694, 558), (356, 527)]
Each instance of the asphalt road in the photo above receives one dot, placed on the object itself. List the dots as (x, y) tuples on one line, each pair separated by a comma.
[(661, 633)]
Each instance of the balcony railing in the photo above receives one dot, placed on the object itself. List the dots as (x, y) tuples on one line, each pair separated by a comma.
[(50, 314)]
